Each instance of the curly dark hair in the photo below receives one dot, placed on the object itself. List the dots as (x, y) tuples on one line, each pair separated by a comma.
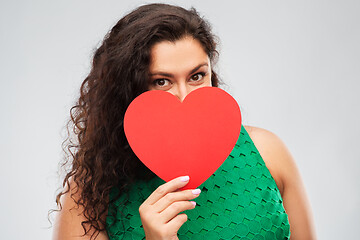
[(99, 156)]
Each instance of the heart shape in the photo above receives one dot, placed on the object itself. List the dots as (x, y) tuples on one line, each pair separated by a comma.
[(174, 138)]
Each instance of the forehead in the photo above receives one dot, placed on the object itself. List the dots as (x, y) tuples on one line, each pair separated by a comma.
[(174, 56)]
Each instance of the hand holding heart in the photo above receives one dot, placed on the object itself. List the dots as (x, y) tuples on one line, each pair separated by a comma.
[(192, 138)]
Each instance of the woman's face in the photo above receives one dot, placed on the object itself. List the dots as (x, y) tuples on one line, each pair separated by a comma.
[(179, 67)]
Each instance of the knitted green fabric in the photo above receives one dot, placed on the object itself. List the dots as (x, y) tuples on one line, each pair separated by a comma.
[(239, 201)]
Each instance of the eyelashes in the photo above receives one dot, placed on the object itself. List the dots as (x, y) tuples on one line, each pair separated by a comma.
[(202, 74), (161, 82)]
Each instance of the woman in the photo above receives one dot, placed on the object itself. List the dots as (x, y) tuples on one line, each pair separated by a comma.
[(109, 193)]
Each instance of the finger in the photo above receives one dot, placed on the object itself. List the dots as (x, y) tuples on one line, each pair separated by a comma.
[(174, 209), (165, 188), (172, 197), (175, 223)]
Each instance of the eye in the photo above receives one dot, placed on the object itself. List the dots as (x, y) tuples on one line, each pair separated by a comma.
[(197, 77), (160, 82)]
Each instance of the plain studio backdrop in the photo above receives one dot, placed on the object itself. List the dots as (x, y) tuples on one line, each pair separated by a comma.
[(293, 67)]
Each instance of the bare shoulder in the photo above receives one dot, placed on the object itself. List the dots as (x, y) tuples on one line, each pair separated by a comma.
[(274, 153), (68, 222), (264, 137)]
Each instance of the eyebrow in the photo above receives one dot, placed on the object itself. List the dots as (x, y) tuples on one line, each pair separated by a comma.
[(171, 75)]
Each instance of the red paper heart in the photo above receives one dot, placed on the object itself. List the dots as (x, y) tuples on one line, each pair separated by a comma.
[(174, 138)]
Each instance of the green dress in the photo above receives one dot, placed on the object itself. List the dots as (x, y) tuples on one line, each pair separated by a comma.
[(239, 201)]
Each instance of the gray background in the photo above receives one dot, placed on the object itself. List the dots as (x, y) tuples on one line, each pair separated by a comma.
[(293, 66)]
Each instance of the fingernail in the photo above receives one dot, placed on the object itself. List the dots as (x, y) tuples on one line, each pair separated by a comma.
[(194, 203), (185, 178), (196, 191)]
